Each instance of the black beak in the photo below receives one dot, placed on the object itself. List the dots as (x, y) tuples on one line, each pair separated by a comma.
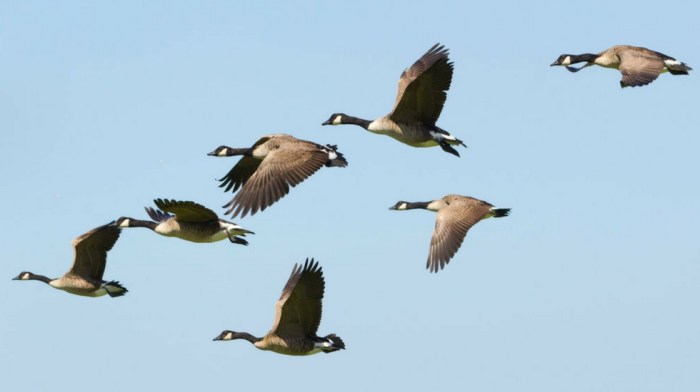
[(212, 154), (16, 278), (216, 338), (554, 63)]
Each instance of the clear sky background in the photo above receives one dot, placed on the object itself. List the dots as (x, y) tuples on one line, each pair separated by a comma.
[(592, 283)]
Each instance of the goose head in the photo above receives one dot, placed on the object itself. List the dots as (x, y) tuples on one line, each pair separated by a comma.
[(24, 276), (399, 206), (123, 222), (335, 119), (221, 151), (564, 59), (226, 335)]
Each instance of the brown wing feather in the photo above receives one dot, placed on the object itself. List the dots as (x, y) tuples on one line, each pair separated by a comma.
[(638, 68), (287, 166), (186, 211), (239, 174), (91, 252), (242, 170), (299, 308), (423, 88), (451, 226)]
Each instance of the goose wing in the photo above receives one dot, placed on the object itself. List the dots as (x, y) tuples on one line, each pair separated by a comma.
[(639, 67), (91, 251), (423, 88), (451, 225), (298, 311), (186, 211), (242, 171), (286, 166)]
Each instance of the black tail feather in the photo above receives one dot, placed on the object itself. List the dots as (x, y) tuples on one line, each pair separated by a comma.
[(116, 290), (500, 212), (336, 343), (676, 67), (677, 72), (339, 161)]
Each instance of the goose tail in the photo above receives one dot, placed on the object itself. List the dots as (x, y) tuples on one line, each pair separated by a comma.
[(332, 343), (500, 212), (676, 67), (115, 289), (335, 158)]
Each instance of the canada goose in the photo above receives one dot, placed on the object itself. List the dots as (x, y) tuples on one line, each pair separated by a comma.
[(422, 93), (270, 167), (298, 314), (639, 66), (85, 275), (191, 222), (455, 216)]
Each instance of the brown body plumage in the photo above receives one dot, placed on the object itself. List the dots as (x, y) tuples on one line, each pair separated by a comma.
[(419, 101), (638, 66), (189, 221), (270, 167), (90, 258), (455, 216), (297, 317)]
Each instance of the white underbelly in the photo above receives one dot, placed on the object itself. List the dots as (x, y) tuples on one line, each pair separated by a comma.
[(413, 135)]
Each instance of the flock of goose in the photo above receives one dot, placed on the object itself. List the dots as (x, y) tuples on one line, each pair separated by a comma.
[(277, 162)]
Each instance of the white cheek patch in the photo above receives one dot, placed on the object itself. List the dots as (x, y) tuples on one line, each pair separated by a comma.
[(672, 62), (337, 120), (567, 61), (332, 155), (125, 223), (223, 152)]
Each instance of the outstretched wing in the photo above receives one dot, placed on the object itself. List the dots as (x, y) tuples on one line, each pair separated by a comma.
[(639, 69), (241, 171), (286, 166), (298, 311), (451, 226), (186, 211), (423, 88), (91, 251), (239, 174)]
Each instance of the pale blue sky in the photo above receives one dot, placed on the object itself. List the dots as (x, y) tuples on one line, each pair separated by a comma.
[(590, 285)]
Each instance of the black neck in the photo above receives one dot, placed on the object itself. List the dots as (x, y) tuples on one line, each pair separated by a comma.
[(586, 57), (418, 204), (357, 121), (239, 151), (40, 277), (246, 336), (142, 223)]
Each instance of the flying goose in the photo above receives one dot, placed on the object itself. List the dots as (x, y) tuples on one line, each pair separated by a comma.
[(85, 275), (191, 221), (639, 66), (298, 314), (422, 93), (455, 216), (268, 168)]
